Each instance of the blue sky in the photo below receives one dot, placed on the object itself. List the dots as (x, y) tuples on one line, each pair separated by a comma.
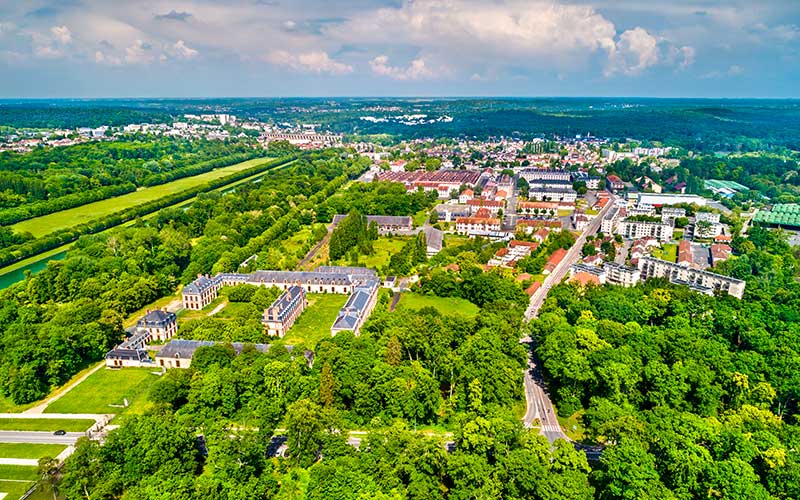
[(678, 48)]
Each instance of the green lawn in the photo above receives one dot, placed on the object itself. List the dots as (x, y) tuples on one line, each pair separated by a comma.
[(105, 388), (445, 305), (315, 322), (45, 424), (40, 226), (384, 247), (573, 426), (667, 252), (14, 489), (29, 450), (18, 473)]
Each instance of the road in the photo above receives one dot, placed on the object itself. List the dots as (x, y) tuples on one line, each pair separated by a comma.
[(38, 437), (539, 406)]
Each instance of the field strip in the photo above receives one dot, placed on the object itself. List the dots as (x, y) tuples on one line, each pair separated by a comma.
[(64, 219), (55, 251)]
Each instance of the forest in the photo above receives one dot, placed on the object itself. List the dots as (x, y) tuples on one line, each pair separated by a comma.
[(50, 179), (74, 308), (692, 395)]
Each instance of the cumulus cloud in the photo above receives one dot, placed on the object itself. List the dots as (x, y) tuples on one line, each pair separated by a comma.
[(139, 52), (635, 51), (314, 61), (415, 71), (52, 44), (182, 51)]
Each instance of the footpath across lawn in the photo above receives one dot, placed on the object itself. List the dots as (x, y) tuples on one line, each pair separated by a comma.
[(106, 390)]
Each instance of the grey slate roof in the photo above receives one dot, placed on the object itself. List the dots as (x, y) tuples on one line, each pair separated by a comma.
[(157, 319), (433, 237)]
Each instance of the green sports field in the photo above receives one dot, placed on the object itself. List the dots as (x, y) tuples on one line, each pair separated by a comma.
[(65, 219)]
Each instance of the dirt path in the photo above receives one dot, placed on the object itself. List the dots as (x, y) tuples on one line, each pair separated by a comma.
[(395, 300), (38, 409), (313, 252)]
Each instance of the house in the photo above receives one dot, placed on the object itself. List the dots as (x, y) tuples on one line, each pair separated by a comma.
[(537, 208), (159, 324), (281, 315), (492, 206), (477, 226), (541, 234), (685, 257), (387, 224), (648, 184), (723, 238), (200, 292), (434, 239), (719, 253), (580, 220), (587, 274), (614, 183), (466, 196), (554, 260), (532, 226), (449, 212), (532, 289), (553, 194)]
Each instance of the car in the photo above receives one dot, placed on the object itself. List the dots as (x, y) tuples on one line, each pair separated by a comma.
[(60, 432)]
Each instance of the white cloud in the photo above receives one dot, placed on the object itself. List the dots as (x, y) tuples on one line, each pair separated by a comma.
[(635, 51), (415, 71), (314, 61), (139, 53), (61, 34), (52, 44), (183, 51)]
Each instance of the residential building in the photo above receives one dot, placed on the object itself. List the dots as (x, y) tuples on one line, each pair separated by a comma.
[(586, 274), (539, 175), (554, 260), (544, 194), (492, 206), (159, 324), (614, 183), (671, 199), (697, 279), (466, 195), (685, 254), (281, 315), (449, 212), (477, 226), (537, 208), (641, 229), (200, 292), (719, 253), (669, 214), (619, 274)]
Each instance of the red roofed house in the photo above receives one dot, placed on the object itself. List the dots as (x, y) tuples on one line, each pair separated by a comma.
[(719, 253), (685, 253), (532, 289), (615, 183), (466, 196), (541, 234), (585, 278), (555, 259)]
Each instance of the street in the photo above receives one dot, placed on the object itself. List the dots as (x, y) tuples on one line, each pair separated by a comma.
[(539, 406), (38, 437)]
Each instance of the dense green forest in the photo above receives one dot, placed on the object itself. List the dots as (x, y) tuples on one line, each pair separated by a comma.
[(75, 306), (693, 395), (49, 179), (696, 124)]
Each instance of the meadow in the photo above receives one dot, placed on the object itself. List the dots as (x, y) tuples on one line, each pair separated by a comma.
[(105, 391), (46, 224), (445, 305), (315, 322), (45, 424)]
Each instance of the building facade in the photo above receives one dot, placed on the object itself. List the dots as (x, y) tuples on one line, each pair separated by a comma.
[(697, 279), (281, 315)]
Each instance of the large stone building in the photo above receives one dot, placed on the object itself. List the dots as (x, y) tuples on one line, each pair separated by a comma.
[(357, 309), (281, 315), (697, 279), (325, 279), (179, 353), (156, 325)]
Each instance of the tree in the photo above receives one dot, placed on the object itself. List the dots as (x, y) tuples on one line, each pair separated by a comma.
[(48, 472), (326, 386)]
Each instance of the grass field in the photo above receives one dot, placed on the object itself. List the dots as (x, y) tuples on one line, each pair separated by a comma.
[(14, 490), (18, 473), (315, 322), (445, 305), (29, 450), (667, 252), (45, 424), (573, 426), (105, 388), (46, 224)]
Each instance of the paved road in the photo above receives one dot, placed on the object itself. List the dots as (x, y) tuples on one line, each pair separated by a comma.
[(539, 406), (37, 437)]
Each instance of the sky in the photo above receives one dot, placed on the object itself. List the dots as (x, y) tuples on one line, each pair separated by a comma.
[(200, 48)]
